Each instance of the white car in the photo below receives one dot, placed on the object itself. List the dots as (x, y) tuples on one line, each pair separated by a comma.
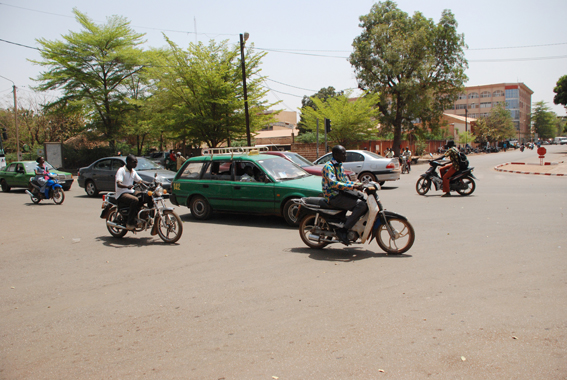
[(368, 165)]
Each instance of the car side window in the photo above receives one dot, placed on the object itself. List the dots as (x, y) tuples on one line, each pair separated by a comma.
[(103, 165), (244, 174), (11, 168), (117, 164), (192, 170), (324, 159), (354, 157), (20, 169), (219, 171)]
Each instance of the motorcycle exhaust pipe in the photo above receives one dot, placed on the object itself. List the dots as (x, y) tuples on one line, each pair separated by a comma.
[(29, 193), (315, 238), (115, 225)]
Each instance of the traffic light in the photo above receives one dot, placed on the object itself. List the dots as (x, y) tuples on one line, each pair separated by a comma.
[(327, 125), (4, 134)]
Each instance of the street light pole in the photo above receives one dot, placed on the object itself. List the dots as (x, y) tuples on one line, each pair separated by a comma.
[(243, 39), (466, 120), (19, 155)]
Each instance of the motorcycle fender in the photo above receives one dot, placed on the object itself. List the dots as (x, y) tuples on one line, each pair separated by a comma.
[(380, 220), (472, 176), (167, 210), (105, 212)]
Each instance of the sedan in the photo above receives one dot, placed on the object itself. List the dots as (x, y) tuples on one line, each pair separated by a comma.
[(100, 175), (368, 165), (244, 183), (18, 174), (307, 165)]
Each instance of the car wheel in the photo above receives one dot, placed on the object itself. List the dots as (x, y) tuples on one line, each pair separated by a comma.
[(366, 177), (289, 212), (5, 187), (91, 189), (200, 208)]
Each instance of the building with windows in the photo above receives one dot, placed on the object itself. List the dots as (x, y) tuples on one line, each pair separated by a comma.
[(477, 102)]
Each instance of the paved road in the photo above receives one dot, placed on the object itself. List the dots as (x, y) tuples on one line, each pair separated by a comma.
[(481, 294)]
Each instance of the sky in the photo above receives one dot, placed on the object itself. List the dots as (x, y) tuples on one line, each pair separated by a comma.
[(308, 42)]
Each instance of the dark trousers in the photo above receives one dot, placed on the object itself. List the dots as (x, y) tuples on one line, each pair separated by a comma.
[(134, 202), (349, 202)]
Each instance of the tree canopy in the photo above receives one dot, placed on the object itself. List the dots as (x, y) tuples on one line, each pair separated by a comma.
[(91, 67), (417, 66), (561, 91), (200, 89), (352, 120), (498, 126), (544, 120)]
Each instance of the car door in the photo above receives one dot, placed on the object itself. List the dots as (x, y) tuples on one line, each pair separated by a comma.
[(216, 184), (256, 195), (103, 175), (354, 161), (10, 173), (20, 177)]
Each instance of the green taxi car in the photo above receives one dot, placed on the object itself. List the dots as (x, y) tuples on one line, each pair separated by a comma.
[(245, 183), (18, 174)]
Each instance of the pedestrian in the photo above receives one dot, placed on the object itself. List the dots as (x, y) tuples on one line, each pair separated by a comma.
[(180, 160)]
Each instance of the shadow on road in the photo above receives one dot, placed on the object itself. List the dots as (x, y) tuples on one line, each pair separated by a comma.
[(345, 254), (242, 220), (131, 240)]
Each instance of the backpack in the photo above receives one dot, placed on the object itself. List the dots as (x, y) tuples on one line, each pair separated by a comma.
[(463, 161)]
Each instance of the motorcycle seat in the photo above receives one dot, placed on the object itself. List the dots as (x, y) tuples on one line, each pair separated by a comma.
[(317, 201)]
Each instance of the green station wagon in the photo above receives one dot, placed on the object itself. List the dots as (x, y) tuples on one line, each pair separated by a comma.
[(18, 174), (246, 182)]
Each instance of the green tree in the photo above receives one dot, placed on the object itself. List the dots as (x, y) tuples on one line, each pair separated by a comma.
[(561, 91), (307, 101), (91, 67), (417, 66), (351, 121), (498, 126), (200, 91), (544, 120)]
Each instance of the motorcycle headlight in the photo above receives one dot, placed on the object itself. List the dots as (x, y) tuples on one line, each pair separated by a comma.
[(158, 192)]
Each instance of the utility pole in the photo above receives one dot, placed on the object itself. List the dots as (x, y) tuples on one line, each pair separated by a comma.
[(317, 137)]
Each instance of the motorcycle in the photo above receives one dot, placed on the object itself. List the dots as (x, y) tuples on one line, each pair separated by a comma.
[(318, 224), (162, 220), (405, 165), (53, 190), (462, 181)]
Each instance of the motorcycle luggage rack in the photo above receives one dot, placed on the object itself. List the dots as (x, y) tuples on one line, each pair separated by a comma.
[(232, 150)]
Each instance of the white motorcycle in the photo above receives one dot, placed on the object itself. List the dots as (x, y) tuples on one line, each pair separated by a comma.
[(318, 224)]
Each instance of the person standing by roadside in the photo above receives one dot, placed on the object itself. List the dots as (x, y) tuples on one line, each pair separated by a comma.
[(180, 160)]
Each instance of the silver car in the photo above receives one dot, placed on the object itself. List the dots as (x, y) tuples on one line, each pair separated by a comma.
[(368, 165)]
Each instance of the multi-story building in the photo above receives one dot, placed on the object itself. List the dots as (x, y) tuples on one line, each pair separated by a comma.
[(477, 102)]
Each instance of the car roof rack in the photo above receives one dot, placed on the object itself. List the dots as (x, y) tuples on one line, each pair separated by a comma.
[(232, 150)]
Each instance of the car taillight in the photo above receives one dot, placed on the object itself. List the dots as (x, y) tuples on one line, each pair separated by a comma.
[(391, 165), (104, 198)]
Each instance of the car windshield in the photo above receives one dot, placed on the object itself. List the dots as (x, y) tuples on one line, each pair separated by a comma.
[(281, 169), (299, 160), (30, 166), (145, 164)]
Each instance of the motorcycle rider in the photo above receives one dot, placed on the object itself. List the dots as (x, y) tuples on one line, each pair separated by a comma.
[(451, 168), (42, 175), (125, 179), (335, 182), (407, 156)]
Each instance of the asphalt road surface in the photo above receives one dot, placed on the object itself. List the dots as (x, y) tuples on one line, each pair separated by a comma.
[(481, 294)]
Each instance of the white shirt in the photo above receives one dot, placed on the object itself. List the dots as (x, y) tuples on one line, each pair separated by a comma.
[(127, 178)]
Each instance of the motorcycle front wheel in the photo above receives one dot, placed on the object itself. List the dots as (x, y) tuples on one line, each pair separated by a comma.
[(423, 185), (307, 227), (466, 186), (402, 239), (115, 217), (170, 227), (58, 196)]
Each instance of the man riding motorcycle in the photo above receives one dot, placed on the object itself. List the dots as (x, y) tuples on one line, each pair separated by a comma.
[(336, 188), (125, 179)]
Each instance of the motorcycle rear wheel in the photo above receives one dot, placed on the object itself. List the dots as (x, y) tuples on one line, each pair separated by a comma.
[(170, 228), (58, 196), (405, 236), (306, 227), (423, 185), (115, 217), (470, 186)]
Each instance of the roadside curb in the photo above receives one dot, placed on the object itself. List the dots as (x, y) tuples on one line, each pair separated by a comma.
[(499, 169)]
